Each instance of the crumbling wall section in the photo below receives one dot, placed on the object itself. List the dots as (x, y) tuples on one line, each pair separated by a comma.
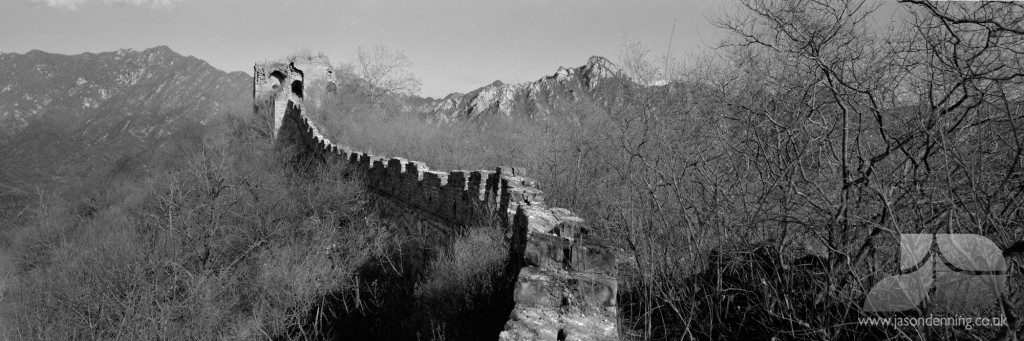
[(264, 80), (318, 78), (303, 80), (565, 278)]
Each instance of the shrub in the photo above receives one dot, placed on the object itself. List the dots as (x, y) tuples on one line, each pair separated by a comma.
[(466, 294), (232, 245)]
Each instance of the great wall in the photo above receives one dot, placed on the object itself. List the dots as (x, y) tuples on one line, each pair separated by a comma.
[(565, 278)]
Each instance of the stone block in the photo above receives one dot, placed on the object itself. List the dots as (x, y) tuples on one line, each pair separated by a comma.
[(592, 259), (459, 205), (396, 165), (512, 195), (446, 202), (435, 179), (364, 160), (588, 327), (575, 307), (539, 218), (533, 196), (510, 171), (561, 212), (475, 183), (411, 193), (493, 186), (538, 288), (406, 187), (569, 226), (516, 181), (478, 184), (593, 291), (457, 179), (475, 177), (416, 167), (546, 251), (379, 174), (432, 199), (509, 214), (531, 324), (377, 165)]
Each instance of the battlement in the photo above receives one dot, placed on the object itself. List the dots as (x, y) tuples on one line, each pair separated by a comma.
[(565, 277)]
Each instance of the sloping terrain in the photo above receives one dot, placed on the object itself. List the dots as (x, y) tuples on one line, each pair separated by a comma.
[(64, 116)]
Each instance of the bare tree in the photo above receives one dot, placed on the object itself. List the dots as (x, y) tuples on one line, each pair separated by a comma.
[(634, 61), (857, 133), (835, 132), (386, 72)]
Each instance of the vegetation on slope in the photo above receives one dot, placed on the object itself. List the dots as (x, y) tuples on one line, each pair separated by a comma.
[(761, 194), (239, 242), (229, 245), (64, 118)]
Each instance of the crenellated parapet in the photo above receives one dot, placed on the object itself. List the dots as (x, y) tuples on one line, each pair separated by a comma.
[(565, 278)]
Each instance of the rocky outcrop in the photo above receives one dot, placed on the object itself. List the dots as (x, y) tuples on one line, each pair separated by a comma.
[(537, 98)]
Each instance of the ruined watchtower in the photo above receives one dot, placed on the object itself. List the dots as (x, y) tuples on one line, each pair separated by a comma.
[(301, 80)]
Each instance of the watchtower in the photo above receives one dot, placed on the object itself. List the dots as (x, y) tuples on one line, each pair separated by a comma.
[(301, 80)]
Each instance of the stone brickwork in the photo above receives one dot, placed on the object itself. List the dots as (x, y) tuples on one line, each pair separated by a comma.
[(303, 80), (565, 278)]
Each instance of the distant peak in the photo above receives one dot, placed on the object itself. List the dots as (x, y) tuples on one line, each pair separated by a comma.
[(598, 62), (594, 60), (160, 48), (599, 68), (497, 83)]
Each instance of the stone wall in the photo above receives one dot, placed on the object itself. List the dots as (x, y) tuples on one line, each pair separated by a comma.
[(262, 81), (304, 80), (318, 78), (565, 278)]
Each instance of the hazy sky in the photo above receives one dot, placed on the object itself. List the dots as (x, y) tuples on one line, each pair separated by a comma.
[(455, 45)]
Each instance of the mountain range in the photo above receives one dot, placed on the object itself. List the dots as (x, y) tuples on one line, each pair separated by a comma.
[(62, 116), (597, 80)]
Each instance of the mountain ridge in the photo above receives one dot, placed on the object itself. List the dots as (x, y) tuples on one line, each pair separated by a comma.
[(536, 98), (64, 115)]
